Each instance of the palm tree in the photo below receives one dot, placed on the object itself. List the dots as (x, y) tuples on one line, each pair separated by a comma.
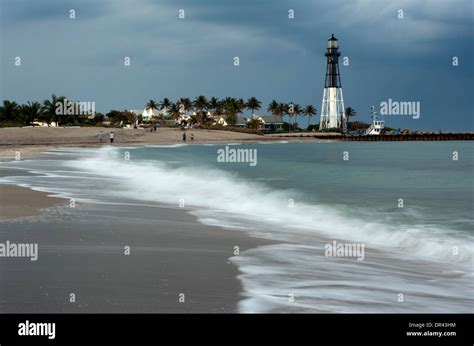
[(227, 105), (220, 107), (31, 111), (289, 109), (349, 112), (253, 104), (9, 110), (200, 103), (174, 111), (151, 105), (309, 111), (49, 109), (296, 112), (239, 106), (213, 105), (186, 104), (273, 108), (165, 104), (281, 110), (231, 107), (130, 116)]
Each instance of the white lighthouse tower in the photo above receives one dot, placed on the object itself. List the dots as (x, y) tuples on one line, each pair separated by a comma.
[(332, 109)]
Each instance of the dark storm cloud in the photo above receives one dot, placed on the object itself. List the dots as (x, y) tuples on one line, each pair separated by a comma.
[(20, 11), (407, 59)]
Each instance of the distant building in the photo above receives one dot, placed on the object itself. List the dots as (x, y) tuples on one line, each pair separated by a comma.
[(44, 124), (147, 114), (219, 120), (183, 119), (267, 122)]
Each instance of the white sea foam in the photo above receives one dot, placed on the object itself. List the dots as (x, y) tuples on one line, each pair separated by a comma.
[(165, 145), (273, 274), (222, 196), (414, 258)]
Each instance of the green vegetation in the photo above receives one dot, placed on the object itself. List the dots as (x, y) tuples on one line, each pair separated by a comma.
[(34, 113), (349, 112), (201, 112)]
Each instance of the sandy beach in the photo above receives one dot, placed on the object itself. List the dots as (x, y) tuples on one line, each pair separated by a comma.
[(170, 254), (190, 249), (30, 141), (16, 202)]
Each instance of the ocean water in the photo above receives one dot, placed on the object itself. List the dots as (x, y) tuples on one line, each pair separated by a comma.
[(408, 203)]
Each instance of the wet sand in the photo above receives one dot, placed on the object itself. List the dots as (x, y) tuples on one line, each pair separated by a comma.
[(16, 202), (82, 252)]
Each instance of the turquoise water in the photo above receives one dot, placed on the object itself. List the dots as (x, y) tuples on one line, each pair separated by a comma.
[(423, 173), (432, 185), (304, 196)]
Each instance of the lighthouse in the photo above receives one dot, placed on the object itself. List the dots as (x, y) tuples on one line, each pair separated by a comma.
[(332, 109)]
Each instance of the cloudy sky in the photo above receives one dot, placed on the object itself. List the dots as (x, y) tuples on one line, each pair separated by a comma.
[(409, 59)]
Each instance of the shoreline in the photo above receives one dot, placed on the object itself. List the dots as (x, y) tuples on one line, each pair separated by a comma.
[(28, 142), (18, 202), (82, 251)]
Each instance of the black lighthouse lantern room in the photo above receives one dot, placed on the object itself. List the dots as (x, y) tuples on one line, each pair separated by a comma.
[(333, 79)]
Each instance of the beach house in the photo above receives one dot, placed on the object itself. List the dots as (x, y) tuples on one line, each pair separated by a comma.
[(146, 114), (267, 122)]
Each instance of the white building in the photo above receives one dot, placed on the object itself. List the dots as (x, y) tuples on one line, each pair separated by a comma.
[(44, 124), (183, 119), (219, 120), (267, 122), (147, 114)]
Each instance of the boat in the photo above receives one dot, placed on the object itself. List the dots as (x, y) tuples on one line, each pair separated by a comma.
[(377, 127)]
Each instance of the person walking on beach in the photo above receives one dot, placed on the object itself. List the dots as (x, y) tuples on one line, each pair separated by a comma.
[(192, 136), (111, 136), (184, 136), (101, 136)]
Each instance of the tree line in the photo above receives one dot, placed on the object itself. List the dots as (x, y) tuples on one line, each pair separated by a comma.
[(48, 111), (201, 110), (229, 108)]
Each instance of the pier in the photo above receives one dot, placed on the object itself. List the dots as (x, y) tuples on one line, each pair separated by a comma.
[(391, 138)]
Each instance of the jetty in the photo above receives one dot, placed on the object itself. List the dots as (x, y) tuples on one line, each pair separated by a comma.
[(389, 138)]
